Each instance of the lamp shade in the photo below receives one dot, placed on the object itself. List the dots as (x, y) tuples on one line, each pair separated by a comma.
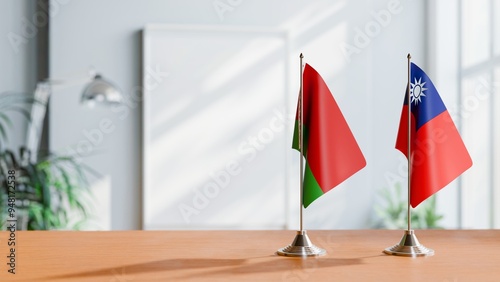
[(101, 90)]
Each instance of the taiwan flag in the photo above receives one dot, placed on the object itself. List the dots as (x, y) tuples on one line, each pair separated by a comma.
[(438, 154), (331, 151)]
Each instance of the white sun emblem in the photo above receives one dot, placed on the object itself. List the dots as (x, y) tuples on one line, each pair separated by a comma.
[(417, 91)]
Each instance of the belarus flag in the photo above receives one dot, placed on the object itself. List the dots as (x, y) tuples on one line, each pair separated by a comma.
[(331, 151), (438, 154)]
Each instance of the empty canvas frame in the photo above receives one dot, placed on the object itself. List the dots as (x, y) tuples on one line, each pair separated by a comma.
[(216, 131)]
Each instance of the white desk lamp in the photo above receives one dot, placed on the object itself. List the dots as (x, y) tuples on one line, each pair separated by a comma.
[(97, 90)]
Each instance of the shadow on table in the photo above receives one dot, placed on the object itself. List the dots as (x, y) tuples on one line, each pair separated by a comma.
[(154, 266), (231, 266), (290, 267)]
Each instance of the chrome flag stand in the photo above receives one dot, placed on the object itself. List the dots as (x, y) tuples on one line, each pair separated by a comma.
[(301, 245), (409, 245)]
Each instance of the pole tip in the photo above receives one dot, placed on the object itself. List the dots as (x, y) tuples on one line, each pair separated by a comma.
[(301, 56), (409, 56)]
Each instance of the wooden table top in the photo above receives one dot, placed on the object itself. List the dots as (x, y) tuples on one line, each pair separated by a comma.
[(355, 255)]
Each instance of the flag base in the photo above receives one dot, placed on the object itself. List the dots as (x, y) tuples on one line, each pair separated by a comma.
[(409, 247), (301, 247)]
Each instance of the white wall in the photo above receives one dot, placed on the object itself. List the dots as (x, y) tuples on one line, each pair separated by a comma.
[(368, 85), (17, 57)]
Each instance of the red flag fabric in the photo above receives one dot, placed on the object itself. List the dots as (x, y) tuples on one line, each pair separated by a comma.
[(438, 154), (331, 152)]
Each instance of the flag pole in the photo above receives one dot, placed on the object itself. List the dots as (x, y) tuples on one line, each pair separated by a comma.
[(409, 246), (301, 140), (409, 141), (301, 245)]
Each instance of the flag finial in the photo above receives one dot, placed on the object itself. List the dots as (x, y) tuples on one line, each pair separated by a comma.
[(301, 56), (409, 56)]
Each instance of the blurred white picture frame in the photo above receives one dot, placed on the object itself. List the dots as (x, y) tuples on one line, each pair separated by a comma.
[(216, 127)]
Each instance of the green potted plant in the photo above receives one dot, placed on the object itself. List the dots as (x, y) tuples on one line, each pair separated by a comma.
[(49, 193), (392, 213)]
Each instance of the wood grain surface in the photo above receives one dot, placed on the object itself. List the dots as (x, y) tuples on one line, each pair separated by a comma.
[(461, 255)]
